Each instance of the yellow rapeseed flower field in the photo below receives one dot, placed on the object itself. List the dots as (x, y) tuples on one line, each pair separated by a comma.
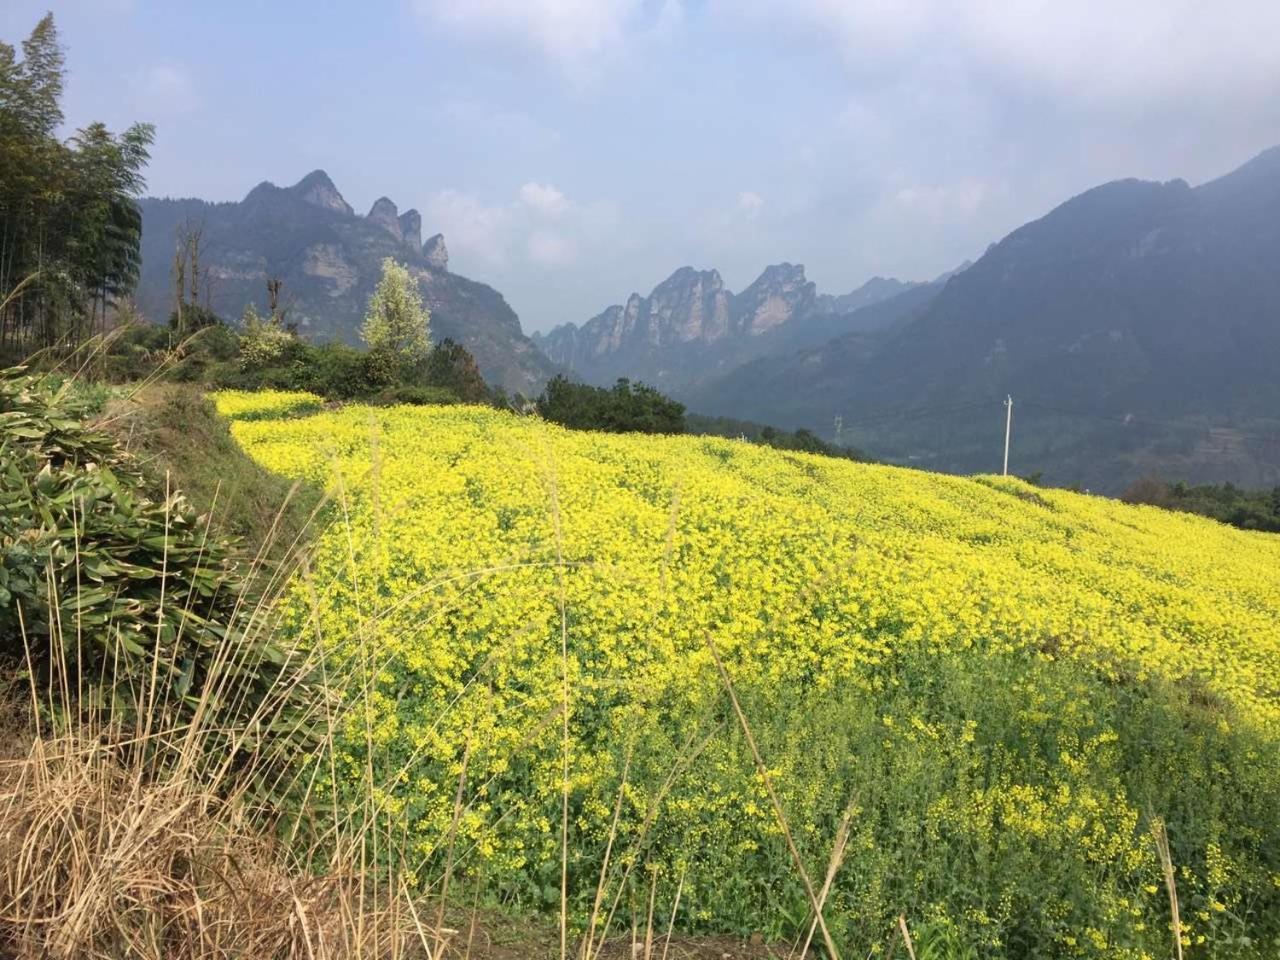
[(999, 686)]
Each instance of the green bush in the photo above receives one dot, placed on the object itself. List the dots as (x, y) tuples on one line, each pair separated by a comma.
[(267, 356), (452, 367), (140, 350), (262, 342), (105, 587), (624, 408)]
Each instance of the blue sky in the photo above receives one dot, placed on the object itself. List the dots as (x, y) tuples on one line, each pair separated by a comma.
[(574, 151)]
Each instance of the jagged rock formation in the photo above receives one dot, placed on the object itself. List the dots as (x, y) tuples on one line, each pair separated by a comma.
[(411, 229), (691, 327), (384, 214), (777, 297), (330, 259), (317, 189), (436, 253)]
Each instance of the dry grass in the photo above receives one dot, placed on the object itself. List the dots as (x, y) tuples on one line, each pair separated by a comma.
[(102, 863), (97, 861)]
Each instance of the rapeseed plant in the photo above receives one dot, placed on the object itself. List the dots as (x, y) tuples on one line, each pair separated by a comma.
[(1008, 686)]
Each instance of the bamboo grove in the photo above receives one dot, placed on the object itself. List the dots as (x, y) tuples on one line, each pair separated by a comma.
[(70, 227)]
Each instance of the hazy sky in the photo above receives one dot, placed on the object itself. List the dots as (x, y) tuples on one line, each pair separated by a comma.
[(573, 151)]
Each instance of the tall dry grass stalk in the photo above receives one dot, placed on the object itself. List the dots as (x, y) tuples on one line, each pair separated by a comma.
[(1161, 836), (833, 867), (906, 936)]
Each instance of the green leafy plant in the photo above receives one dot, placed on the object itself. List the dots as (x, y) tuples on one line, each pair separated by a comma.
[(106, 589)]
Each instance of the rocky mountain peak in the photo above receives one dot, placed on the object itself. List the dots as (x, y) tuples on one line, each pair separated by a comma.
[(780, 293), (384, 214), (687, 279), (436, 252), (781, 273), (317, 189), (411, 229)]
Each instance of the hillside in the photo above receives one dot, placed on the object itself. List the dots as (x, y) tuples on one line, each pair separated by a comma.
[(329, 259), (1139, 323), (991, 691)]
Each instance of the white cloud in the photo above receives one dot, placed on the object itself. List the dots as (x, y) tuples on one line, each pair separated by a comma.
[(539, 226), (550, 249), (564, 31), (164, 89), (544, 199), (1096, 51), (749, 204), (472, 227), (944, 201)]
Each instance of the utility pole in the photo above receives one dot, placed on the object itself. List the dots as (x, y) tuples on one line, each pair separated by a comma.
[(1008, 428), (839, 429)]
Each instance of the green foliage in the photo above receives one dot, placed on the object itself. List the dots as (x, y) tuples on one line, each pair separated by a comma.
[(396, 323), (70, 227), (129, 593), (336, 371), (1246, 509), (624, 408), (451, 367), (140, 350), (193, 317), (262, 342), (332, 370)]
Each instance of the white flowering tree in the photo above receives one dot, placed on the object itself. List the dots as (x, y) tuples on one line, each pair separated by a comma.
[(396, 323)]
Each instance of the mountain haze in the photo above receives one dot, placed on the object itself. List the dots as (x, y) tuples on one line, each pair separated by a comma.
[(1138, 324), (329, 258)]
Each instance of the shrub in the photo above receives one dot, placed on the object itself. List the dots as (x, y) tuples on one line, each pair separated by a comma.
[(194, 317), (111, 588), (262, 342), (139, 350), (624, 408), (452, 367), (1246, 509)]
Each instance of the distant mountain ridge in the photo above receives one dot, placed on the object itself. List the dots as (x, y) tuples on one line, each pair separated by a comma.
[(1138, 324), (691, 327), (330, 258)]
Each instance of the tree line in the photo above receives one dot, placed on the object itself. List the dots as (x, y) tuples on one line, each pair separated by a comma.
[(70, 226), (1226, 503)]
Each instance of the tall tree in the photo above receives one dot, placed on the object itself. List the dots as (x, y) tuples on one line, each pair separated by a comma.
[(70, 228), (396, 322)]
